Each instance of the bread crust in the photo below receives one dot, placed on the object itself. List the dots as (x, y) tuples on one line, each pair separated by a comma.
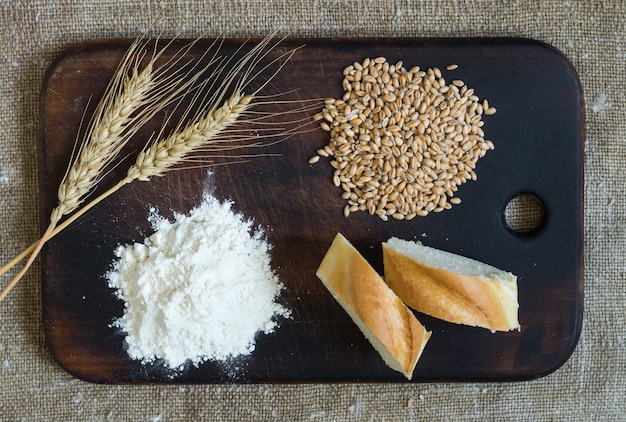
[(389, 325), (474, 300)]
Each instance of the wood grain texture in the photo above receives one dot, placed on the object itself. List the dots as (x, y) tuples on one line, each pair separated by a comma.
[(538, 134)]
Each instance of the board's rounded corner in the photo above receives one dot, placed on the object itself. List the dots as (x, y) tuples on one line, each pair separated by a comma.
[(544, 45), (70, 51), (63, 363), (559, 361), (71, 371)]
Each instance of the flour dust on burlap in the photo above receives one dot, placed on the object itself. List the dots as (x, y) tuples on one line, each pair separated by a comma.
[(200, 288)]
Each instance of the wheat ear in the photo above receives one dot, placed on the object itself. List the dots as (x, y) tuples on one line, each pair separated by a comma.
[(132, 98), (201, 133)]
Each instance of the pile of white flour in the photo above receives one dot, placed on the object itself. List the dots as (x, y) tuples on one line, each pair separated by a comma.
[(200, 288)]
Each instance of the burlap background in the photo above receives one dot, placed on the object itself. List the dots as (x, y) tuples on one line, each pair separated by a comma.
[(590, 386)]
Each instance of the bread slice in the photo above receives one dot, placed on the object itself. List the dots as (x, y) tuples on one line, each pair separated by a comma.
[(385, 321), (451, 287)]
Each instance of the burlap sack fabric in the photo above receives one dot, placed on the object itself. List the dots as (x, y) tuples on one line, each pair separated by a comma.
[(590, 386)]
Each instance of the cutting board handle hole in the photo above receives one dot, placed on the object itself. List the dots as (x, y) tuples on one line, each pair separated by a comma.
[(524, 214)]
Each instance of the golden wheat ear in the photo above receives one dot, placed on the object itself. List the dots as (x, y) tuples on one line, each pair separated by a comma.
[(215, 121), (218, 102), (142, 85)]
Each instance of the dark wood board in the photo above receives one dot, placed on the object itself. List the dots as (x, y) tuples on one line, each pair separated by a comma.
[(538, 132)]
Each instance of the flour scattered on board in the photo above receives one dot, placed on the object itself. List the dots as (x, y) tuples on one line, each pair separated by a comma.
[(200, 288)]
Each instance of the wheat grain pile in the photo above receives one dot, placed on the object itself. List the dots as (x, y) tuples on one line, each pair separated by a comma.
[(402, 141)]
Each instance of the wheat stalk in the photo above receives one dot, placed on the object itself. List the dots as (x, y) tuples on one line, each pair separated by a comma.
[(208, 117), (164, 154), (133, 97), (105, 136)]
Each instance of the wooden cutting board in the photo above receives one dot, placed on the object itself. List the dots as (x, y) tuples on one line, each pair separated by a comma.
[(538, 133)]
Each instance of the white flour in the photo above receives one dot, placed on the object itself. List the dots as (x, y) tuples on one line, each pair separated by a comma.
[(200, 288)]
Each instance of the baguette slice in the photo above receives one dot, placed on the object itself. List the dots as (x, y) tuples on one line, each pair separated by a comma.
[(385, 321), (451, 287)]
